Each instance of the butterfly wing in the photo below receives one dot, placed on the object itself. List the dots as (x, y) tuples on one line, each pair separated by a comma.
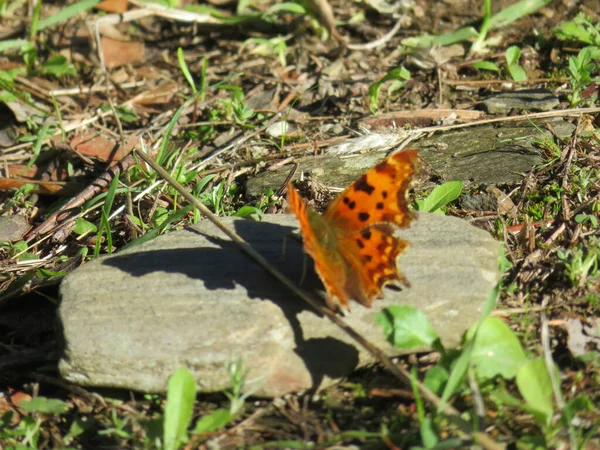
[(321, 243), (379, 195), (371, 256), (366, 216), (353, 243)]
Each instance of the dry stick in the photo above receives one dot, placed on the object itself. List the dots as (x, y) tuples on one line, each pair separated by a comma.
[(112, 108), (542, 115), (486, 82), (89, 90), (317, 305)]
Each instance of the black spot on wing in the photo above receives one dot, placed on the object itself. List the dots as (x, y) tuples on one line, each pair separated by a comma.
[(362, 185), (363, 216), (366, 234), (382, 166)]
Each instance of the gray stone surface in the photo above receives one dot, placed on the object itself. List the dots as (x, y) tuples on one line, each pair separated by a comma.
[(192, 299), (521, 100), (13, 228), (491, 154)]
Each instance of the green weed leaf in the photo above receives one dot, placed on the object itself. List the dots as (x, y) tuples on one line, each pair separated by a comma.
[(457, 374), (213, 421), (83, 226), (181, 395), (440, 196), (399, 74), (406, 327), (246, 211), (428, 434), (184, 69), (517, 73), (535, 385), (10, 44), (44, 405), (486, 65), (45, 273), (287, 7), (435, 379), (514, 12), (513, 53), (496, 350), (58, 66)]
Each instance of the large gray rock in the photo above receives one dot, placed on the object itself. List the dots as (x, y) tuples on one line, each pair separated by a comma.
[(193, 299)]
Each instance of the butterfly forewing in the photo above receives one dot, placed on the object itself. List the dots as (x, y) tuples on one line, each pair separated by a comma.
[(379, 195)]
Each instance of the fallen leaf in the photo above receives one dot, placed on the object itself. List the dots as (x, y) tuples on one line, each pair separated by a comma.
[(419, 118), (160, 95), (113, 6), (120, 53), (42, 187), (11, 403), (102, 147)]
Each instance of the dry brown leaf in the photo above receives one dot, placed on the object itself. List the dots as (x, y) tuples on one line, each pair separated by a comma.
[(160, 95), (119, 53), (113, 6), (12, 404), (102, 147), (418, 118)]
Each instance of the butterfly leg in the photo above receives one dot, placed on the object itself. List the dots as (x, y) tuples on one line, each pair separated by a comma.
[(304, 267), (284, 244)]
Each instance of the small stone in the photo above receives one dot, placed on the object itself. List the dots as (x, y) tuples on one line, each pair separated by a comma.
[(523, 100), (13, 228), (194, 299), (283, 128)]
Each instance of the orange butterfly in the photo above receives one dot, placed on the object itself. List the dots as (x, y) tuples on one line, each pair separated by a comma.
[(353, 242)]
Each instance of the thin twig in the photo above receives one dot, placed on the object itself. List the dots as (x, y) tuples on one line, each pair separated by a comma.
[(378, 42), (92, 89)]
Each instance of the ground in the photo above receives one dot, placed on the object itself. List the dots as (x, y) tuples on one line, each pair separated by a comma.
[(208, 90)]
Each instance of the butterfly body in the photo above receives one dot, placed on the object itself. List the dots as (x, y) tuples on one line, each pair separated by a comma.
[(353, 242)]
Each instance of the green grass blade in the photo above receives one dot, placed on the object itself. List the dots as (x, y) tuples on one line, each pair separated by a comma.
[(160, 155), (10, 44), (110, 194), (184, 69), (37, 147), (515, 12), (35, 20), (67, 13)]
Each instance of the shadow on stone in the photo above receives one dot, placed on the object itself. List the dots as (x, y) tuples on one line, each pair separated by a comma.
[(223, 265)]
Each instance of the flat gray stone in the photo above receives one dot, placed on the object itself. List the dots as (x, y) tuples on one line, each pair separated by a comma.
[(521, 100), (193, 299), (491, 154), (13, 228)]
